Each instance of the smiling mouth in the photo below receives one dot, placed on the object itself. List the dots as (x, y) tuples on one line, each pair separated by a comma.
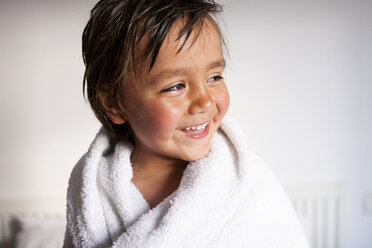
[(197, 131)]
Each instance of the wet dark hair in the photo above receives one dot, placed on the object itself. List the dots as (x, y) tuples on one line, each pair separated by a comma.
[(111, 39)]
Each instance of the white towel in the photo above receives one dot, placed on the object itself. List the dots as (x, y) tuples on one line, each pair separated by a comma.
[(229, 198)]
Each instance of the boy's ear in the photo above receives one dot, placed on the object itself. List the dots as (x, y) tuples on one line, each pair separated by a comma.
[(114, 116), (112, 113)]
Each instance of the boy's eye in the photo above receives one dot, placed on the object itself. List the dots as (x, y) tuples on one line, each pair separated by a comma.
[(175, 87), (216, 78)]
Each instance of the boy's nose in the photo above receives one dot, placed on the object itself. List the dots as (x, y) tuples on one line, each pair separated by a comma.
[(201, 102)]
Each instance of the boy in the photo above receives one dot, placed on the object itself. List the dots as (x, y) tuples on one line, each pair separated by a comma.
[(166, 170)]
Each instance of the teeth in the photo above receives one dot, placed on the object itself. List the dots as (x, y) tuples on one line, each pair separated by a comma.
[(199, 127)]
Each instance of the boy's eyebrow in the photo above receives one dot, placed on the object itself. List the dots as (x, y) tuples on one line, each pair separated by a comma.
[(170, 73), (219, 63)]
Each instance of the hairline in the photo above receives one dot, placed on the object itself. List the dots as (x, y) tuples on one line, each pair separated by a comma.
[(200, 23)]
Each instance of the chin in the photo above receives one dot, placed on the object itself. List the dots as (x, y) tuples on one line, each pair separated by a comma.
[(196, 155)]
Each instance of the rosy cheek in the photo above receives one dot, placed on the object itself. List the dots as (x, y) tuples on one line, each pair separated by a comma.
[(164, 117), (222, 101)]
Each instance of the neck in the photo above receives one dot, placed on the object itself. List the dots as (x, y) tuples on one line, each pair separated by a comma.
[(149, 163)]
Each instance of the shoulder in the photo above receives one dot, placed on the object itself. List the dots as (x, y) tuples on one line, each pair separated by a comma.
[(101, 145), (253, 167), (87, 165), (82, 187), (259, 176), (76, 175)]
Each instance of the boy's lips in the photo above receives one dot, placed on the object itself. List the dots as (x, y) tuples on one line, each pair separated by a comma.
[(196, 131)]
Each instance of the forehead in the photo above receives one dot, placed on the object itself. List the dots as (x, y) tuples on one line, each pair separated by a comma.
[(201, 48)]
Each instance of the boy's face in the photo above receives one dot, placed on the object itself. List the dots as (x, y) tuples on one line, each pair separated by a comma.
[(175, 109)]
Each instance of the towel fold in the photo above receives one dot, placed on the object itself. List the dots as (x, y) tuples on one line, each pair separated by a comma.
[(229, 198)]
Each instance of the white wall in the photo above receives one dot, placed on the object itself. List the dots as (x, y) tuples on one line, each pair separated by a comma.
[(301, 85), (45, 123), (299, 78)]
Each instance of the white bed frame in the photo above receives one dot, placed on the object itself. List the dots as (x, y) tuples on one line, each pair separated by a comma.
[(321, 210), (35, 208)]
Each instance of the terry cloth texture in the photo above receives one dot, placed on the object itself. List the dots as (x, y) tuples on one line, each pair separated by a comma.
[(229, 198)]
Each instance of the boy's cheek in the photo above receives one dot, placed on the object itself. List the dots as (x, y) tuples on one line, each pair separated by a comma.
[(223, 102), (163, 116)]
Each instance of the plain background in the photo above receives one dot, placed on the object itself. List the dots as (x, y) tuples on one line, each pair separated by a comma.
[(299, 77)]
